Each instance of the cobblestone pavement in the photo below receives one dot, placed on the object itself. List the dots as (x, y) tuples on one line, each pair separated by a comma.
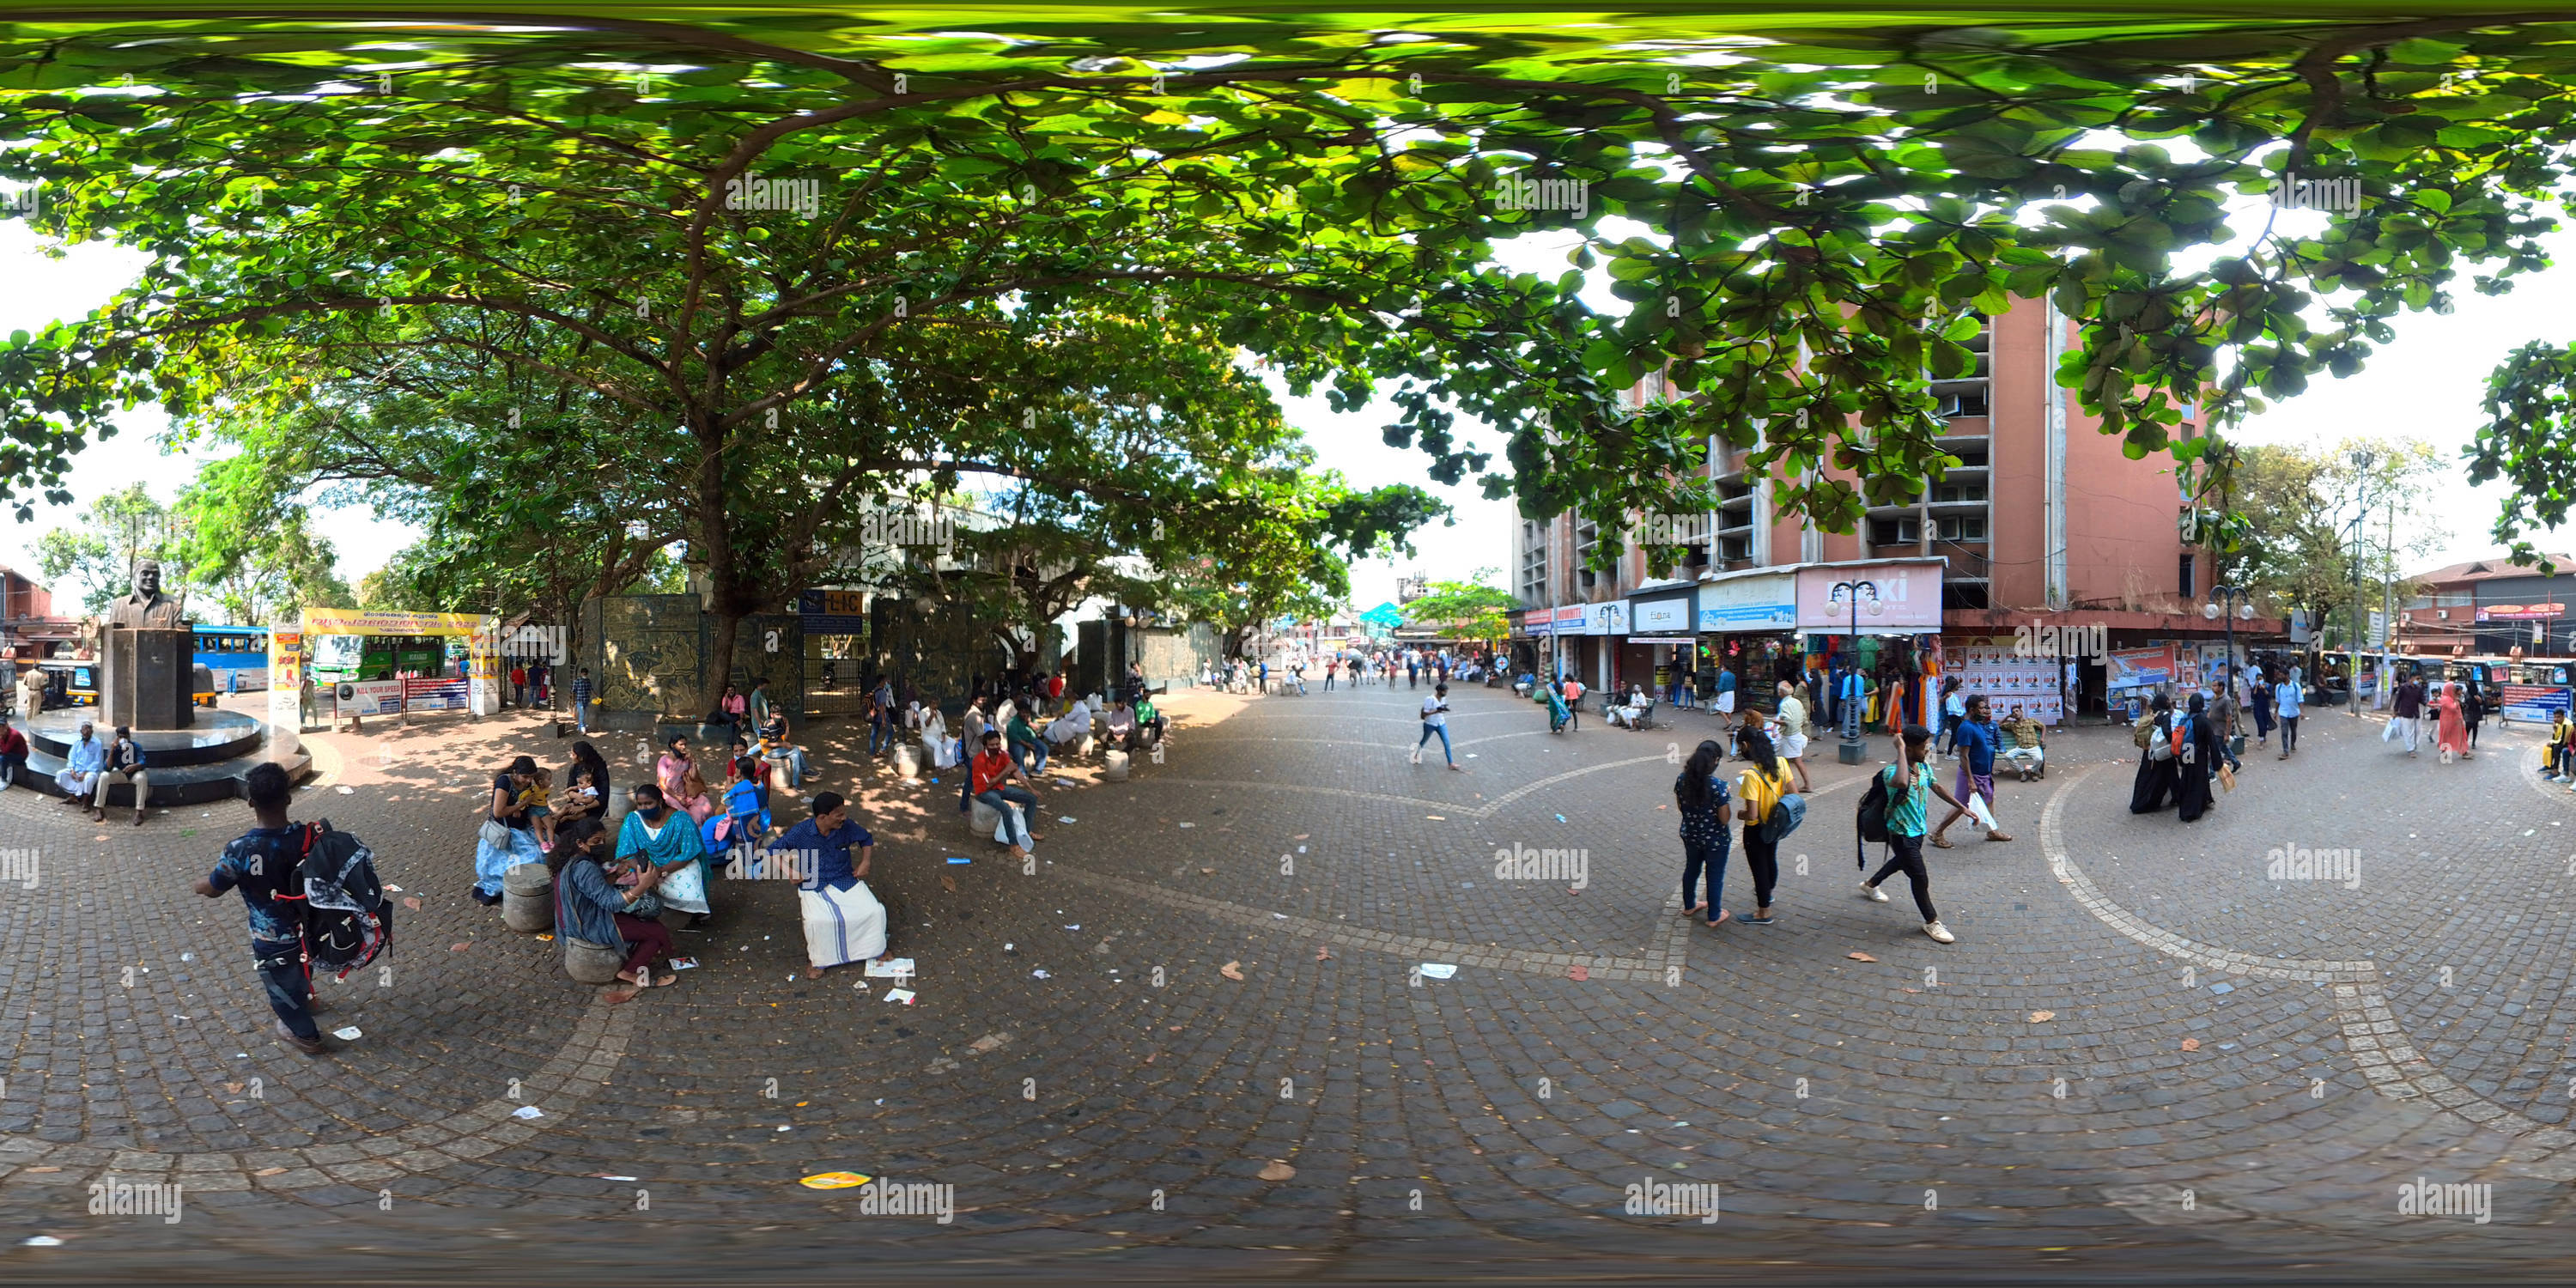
[(2146, 1053)]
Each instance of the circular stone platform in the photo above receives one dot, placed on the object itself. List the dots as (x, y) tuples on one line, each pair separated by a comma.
[(205, 761)]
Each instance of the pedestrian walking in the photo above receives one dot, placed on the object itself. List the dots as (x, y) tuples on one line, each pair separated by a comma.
[(1726, 683), (2259, 701), (581, 700), (264, 865), (2473, 708), (2154, 736), (1759, 791), (2453, 733), (2406, 714), (1435, 719), (1976, 740), (1792, 746), (1954, 710), (1700, 796), (2196, 760), (2222, 721), (1907, 781), (2286, 697)]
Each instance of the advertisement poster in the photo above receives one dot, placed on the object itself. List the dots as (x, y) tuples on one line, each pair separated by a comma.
[(372, 697), (2007, 681), (286, 679), (430, 693), (2141, 668), (2537, 703)]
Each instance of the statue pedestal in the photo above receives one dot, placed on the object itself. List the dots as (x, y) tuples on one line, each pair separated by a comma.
[(149, 677)]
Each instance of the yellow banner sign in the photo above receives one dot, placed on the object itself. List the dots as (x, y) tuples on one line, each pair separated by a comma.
[(352, 621)]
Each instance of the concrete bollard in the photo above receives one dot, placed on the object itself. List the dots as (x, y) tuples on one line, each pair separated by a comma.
[(590, 963), (528, 898), (1113, 765), (984, 818), (907, 761)]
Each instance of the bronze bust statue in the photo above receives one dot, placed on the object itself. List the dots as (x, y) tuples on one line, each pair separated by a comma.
[(147, 608)]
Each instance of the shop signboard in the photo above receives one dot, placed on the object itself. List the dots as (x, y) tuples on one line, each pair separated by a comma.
[(2519, 612), (1568, 620), (1764, 603), (1669, 615), (1902, 598), (832, 612)]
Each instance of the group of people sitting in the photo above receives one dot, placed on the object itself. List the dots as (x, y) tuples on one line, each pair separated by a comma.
[(92, 767), (1130, 725), (612, 886)]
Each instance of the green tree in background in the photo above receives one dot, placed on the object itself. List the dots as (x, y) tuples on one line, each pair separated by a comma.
[(121, 530), (1472, 610)]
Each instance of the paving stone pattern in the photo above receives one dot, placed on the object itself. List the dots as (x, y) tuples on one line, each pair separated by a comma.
[(2024, 1097)]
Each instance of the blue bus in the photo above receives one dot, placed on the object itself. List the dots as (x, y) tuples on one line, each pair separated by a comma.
[(235, 656)]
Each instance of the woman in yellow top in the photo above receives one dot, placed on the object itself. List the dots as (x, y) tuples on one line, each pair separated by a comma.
[(1760, 789)]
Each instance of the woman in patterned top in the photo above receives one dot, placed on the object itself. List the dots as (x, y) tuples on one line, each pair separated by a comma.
[(1700, 795)]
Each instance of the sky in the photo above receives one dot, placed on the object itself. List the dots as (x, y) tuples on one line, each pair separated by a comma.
[(2426, 384)]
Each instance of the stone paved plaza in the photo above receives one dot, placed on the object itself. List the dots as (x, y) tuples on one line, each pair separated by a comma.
[(2144, 1054)]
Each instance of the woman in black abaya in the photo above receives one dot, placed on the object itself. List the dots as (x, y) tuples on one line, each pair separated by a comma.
[(2191, 781), (2155, 777)]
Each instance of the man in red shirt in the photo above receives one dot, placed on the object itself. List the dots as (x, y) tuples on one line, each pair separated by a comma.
[(992, 770), (13, 753)]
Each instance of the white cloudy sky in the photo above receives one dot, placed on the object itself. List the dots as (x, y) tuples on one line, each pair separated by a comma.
[(2426, 384)]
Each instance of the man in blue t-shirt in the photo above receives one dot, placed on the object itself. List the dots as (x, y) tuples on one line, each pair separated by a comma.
[(1976, 742), (1726, 705), (262, 863)]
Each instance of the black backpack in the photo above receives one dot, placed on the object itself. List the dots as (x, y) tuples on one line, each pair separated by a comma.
[(1871, 823), (348, 921)]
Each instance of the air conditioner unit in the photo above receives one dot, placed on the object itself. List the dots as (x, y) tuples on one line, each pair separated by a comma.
[(2441, 614)]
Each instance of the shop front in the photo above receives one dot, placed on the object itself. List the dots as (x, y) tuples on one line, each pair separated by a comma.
[(1662, 638), (1602, 627), (1747, 623), (1880, 618)]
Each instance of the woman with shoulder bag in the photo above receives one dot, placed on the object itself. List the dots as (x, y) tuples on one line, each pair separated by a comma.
[(1760, 789)]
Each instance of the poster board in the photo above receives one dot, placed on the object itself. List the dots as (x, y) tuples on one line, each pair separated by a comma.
[(2008, 681)]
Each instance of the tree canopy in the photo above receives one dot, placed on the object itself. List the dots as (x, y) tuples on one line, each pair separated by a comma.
[(719, 233)]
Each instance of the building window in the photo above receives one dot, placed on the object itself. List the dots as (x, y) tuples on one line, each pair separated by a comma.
[(2188, 590), (1533, 579)]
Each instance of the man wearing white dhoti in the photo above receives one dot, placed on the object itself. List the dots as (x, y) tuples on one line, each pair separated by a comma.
[(844, 922)]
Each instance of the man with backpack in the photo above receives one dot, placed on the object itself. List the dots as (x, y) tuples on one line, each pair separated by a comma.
[(312, 898), (1895, 811)]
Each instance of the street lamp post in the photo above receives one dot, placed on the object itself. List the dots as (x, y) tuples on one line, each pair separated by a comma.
[(2362, 459), (1851, 751), (2238, 602)]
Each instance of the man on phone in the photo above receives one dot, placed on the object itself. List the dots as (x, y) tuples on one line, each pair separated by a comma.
[(1435, 719)]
